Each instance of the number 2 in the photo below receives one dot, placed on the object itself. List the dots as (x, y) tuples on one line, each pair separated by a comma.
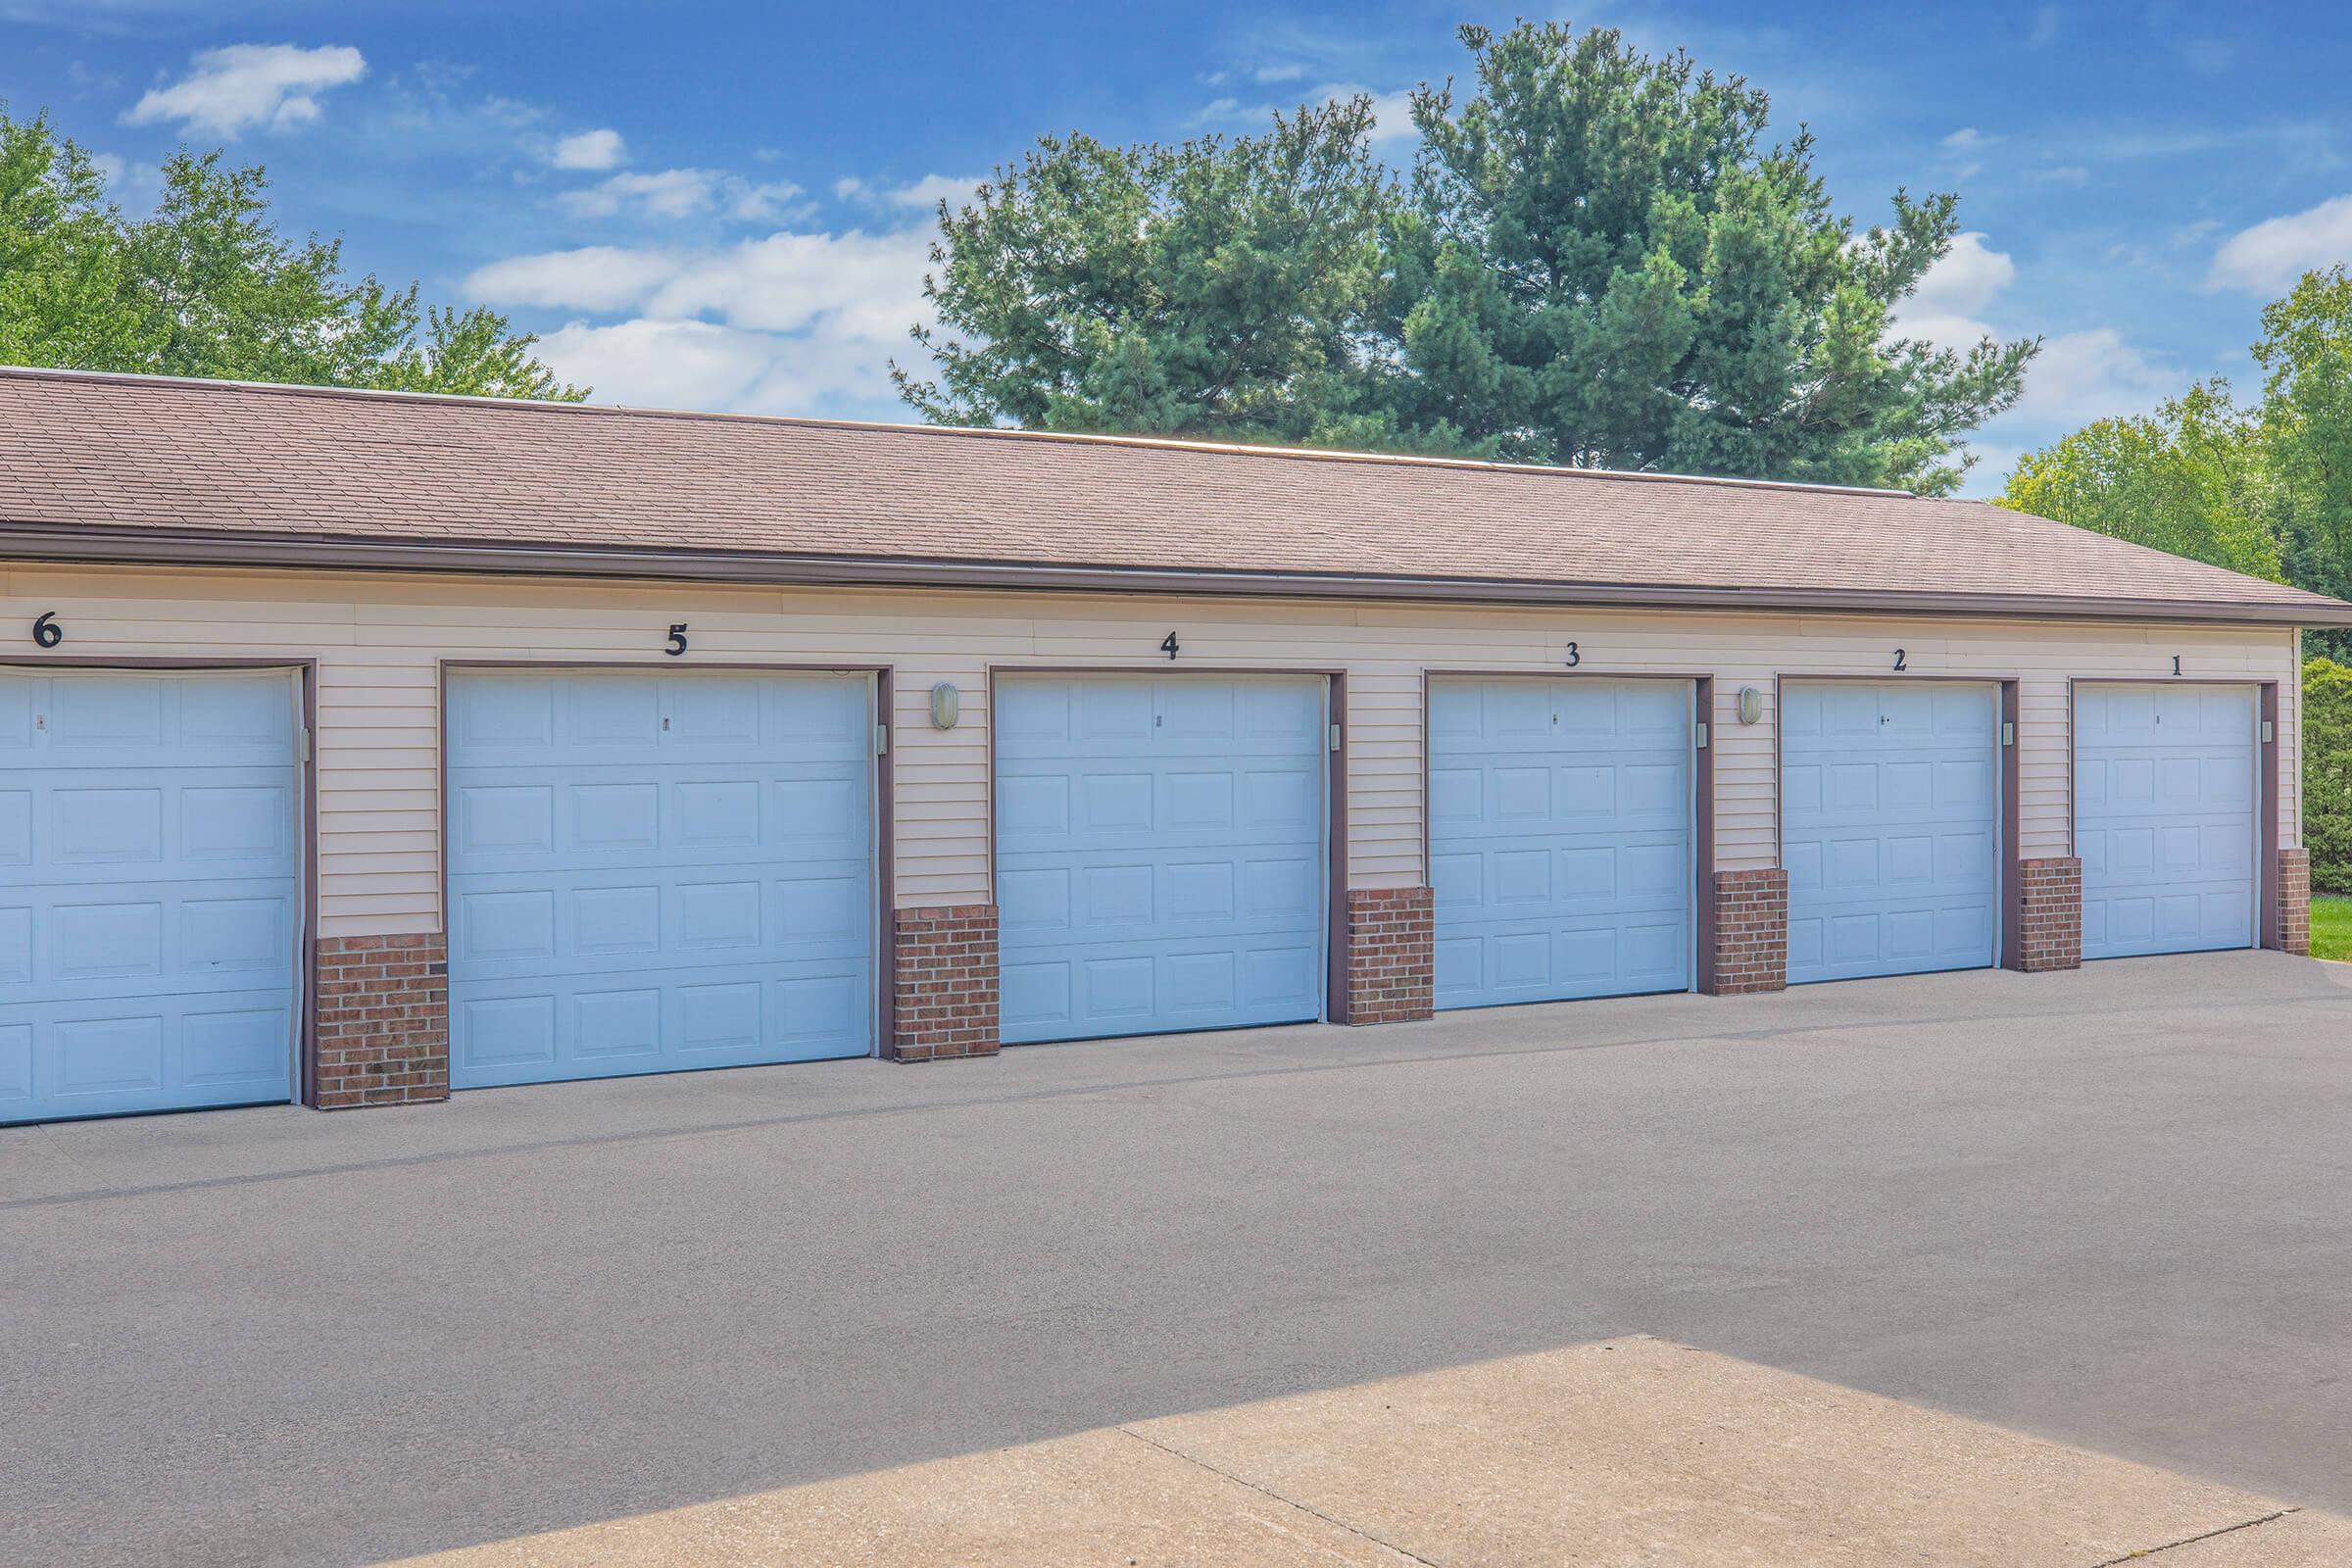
[(677, 640), (1168, 644), (1901, 660)]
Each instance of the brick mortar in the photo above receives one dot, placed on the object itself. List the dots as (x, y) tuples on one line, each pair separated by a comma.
[(944, 997), (1751, 932), (2050, 916), (1392, 954), (2291, 875), (381, 1011)]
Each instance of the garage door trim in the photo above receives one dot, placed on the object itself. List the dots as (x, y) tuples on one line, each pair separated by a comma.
[(2008, 859), (2267, 932), (882, 805), (1334, 785), (1703, 784), (304, 1067)]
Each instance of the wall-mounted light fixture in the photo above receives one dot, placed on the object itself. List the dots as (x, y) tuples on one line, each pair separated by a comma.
[(1751, 705), (946, 703)]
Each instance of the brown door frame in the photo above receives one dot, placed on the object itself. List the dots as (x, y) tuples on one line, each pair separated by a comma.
[(1335, 808), (884, 799), (303, 1090), (1702, 789)]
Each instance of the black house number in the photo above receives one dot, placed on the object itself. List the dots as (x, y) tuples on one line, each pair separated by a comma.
[(1574, 656), (46, 632), (1902, 660), (677, 640), (1168, 644)]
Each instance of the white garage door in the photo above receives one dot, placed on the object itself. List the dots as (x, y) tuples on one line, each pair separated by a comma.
[(1560, 837), (1160, 853), (1889, 827), (651, 872), (2164, 817), (149, 832)]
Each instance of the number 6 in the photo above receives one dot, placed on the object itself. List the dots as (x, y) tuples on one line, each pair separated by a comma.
[(46, 632)]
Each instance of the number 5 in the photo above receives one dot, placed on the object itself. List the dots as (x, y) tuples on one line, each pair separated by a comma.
[(677, 640)]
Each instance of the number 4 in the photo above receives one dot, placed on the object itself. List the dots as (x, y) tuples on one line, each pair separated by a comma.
[(1168, 644)]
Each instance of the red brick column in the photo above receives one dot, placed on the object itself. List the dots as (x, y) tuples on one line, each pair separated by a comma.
[(1751, 932), (1389, 954), (944, 998), (2049, 922), (2294, 880), (383, 1021)]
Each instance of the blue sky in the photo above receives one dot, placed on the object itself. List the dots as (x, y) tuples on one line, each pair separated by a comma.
[(726, 206)]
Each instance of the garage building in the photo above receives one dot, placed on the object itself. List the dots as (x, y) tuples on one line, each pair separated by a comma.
[(356, 748)]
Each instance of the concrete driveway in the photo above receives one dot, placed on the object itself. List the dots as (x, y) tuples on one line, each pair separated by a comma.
[(2112, 1208)]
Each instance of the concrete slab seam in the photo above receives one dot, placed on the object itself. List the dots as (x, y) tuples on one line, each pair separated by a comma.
[(1287, 1502)]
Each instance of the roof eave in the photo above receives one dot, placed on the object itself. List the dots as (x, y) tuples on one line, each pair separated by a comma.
[(146, 547)]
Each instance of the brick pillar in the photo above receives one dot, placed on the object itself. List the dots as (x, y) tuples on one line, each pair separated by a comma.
[(2293, 881), (944, 998), (1751, 932), (1389, 954), (2049, 924), (383, 1021)]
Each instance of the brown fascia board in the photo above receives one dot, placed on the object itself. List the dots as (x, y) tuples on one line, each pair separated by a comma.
[(281, 552)]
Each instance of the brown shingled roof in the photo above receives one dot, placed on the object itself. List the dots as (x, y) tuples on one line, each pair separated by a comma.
[(105, 466)]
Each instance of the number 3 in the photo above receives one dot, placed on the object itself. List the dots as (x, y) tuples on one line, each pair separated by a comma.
[(1573, 658)]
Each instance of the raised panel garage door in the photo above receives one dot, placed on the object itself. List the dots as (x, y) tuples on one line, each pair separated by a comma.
[(149, 832), (1160, 853), (1560, 837), (649, 873), (1889, 827), (2164, 817)]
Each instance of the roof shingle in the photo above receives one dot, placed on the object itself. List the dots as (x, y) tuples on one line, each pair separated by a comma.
[(129, 455)]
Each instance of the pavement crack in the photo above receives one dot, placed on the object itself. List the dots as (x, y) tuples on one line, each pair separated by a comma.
[(2145, 1552), (1276, 1496)]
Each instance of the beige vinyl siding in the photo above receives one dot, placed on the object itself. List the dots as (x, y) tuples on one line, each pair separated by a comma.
[(380, 640)]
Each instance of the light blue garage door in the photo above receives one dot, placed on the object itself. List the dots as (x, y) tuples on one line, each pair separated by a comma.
[(2164, 817), (1560, 837), (1889, 827), (1160, 853), (148, 902), (651, 872)]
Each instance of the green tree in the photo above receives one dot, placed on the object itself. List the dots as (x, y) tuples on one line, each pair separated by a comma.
[(2306, 353), (2190, 480), (1220, 288), (2328, 773), (61, 261), (207, 286), (1603, 265)]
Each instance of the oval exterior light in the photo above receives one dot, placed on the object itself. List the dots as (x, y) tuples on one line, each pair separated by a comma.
[(1751, 705), (946, 703)]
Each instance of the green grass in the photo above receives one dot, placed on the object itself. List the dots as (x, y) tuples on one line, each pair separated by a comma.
[(2332, 927)]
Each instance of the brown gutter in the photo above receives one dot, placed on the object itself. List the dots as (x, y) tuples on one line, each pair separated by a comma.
[(279, 552)]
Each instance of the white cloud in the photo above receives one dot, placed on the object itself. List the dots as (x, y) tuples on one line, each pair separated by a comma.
[(671, 193), (849, 189), (792, 322), (2061, 175), (1269, 74), (2267, 257), (682, 193), (2081, 376), (1968, 139), (595, 277), (932, 189), (272, 84), (1391, 111), (1962, 282), (590, 149)]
